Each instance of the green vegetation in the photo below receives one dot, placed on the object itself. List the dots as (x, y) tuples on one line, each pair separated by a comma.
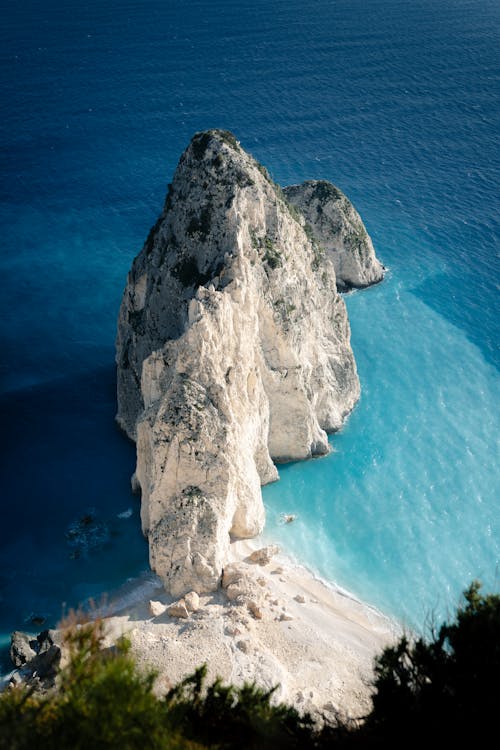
[(265, 245), (169, 200), (263, 171), (271, 254), (356, 238), (325, 191), (217, 161), (200, 225), (254, 239), (242, 179), (294, 212), (427, 693), (136, 321), (284, 313), (102, 702), (199, 144), (222, 716), (318, 250), (201, 141), (446, 688), (187, 272), (228, 138)]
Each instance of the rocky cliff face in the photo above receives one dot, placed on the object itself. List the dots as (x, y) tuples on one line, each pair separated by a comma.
[(338, 227), (233, 352)]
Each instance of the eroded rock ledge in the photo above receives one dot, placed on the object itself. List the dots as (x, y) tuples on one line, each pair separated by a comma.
[(233, 353)]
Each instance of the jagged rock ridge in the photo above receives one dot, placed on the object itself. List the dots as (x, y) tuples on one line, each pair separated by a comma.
[(233, 352)]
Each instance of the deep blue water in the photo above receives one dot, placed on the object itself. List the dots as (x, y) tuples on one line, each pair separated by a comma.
[(398, 104)]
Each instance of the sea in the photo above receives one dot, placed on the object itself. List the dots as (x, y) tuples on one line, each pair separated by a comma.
[(394, 101)]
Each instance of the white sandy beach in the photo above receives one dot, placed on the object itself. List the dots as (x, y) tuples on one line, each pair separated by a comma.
[(313, 641)]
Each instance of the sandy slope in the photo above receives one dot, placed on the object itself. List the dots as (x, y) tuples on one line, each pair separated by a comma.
[(321, 657)]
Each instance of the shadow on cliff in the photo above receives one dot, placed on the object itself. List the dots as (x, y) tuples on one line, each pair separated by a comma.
[(66, 468), (465, 302)]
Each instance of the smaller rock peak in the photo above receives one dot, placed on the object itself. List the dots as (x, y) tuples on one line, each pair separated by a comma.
[(340, 230)]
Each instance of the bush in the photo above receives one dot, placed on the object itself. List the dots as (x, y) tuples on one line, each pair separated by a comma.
[(102, 702), (427, 693), (446, 688), (229, 717)]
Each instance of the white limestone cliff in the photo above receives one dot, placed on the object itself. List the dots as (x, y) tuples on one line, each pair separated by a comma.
[(233, 352), (338, 227)]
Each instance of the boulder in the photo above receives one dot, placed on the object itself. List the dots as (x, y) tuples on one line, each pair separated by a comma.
[(264, 555), (178, 609), (192, 601), (156, 608), (233, 572), (23, 648)]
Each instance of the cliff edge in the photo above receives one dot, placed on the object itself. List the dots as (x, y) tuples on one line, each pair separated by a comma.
[(233, 353)]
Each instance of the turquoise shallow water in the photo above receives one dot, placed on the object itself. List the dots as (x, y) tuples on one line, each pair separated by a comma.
[(398, 104), (403, 510)]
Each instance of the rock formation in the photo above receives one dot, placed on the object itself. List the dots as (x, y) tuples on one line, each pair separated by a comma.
[(336, 224), (233, 352)]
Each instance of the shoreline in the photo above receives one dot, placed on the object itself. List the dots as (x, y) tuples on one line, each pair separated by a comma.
[(312, 638)]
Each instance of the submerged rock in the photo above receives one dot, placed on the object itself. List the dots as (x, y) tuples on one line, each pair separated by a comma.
[(337, 225), (87, 534), (233, 353), (264, 555)]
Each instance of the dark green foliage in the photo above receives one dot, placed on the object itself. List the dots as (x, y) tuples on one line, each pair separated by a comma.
[(324, 191), (263, 171), (428, 693), (187, 271), (169, 200), (228, 138), (230, 717), (242, 179), (446, 689), (271, 254), (103, 702), (217, 161), (318, 256), (199, 144), (356, 239), (201, 141), (136, 321), (265, 246), (318, 250), (293, 210), (309, 232), (200, 225)]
